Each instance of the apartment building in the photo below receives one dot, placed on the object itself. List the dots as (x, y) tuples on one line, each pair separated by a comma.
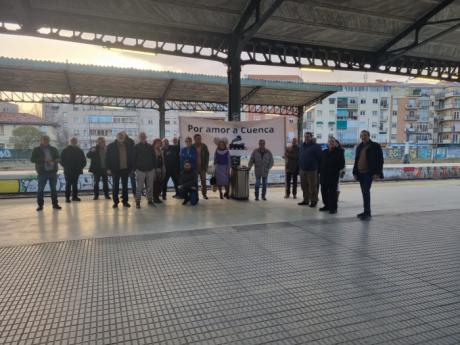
[(446, 104), (344, 114), (87, 123)]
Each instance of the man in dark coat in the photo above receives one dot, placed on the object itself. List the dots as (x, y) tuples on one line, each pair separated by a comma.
[(368, 166), (119, 164), (291, 157), (332, 162), (98, 168), (171, 155), (46, 158), (132, 173), (189, 184), (309, 163), (73, 161)]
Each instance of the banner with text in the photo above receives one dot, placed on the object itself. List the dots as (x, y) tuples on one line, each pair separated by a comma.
[(241, 137)]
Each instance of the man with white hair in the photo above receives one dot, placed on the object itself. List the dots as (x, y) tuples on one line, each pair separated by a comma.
[(119, 164), (143, 164)]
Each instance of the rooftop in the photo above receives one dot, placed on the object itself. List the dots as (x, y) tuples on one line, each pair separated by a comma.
[(23, 119)]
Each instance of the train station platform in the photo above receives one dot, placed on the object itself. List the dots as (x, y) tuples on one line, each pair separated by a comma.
[(229, 272)]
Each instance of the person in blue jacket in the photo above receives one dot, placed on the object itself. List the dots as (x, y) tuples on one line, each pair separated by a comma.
[(309, 163), (188, 153)]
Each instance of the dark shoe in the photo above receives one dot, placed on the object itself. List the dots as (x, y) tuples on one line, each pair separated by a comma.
[(185, 202), (294, 197), (257, 198), (126, 204), (365, 217), (205, 197), (39, 208), (286, 196), (264, 198), (332, 211), (221, 196), (150, 202), (138, 205), (303, 203), (57, 207), (157, 201), (107, 197), (175, 196), (76, 199), (324, 208), (360, 215), (313, 204), (115, 206), (95, 197), (226, 196), (67, 200), (164, 197)]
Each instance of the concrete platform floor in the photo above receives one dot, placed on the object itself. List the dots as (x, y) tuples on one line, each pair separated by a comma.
[(230, 272), (21, 224)]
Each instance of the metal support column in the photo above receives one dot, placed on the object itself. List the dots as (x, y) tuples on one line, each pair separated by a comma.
[(300, 111), (234, 82), (162, 112)]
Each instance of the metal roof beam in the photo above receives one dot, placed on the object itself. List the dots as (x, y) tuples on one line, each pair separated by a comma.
[(415, 26), (251, 93), (167, 89), (253, 9)]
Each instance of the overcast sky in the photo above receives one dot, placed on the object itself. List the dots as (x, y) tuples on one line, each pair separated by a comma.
[(61, 51)]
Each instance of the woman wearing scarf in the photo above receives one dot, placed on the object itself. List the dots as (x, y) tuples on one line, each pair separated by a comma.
[(222, 163)]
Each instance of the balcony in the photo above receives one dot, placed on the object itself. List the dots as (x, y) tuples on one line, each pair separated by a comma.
[(411, 117), (352, 106), (412, 106)]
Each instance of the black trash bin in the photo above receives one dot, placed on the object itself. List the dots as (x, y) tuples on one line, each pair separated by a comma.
[(240, 183)]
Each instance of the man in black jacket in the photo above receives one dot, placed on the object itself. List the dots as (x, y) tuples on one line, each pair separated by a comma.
[(46, 158), (98, 168), (368, 166), (132, 174), (119, 164), (73, 161), (189, 185), (171, 154), (143, 164), (332, 162)]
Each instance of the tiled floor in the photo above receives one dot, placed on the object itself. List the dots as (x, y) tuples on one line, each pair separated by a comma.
[(393, 280)]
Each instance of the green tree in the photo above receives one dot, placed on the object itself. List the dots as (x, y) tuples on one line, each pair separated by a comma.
[(25, 137)]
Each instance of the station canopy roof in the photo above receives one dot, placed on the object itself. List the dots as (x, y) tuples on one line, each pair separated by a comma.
[(29, 76), (394, 36)]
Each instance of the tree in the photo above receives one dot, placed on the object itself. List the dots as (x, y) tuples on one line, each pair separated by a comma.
[(25, 137)]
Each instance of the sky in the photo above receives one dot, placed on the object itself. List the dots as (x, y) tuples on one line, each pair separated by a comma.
[(61, 51)]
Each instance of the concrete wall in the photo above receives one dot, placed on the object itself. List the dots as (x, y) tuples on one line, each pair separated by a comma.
[(13, 183)]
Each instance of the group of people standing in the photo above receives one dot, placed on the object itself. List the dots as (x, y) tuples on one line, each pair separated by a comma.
[(324, 168), (150, 166)]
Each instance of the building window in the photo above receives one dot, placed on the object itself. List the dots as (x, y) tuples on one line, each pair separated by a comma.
[(375, 101), (331, 113), (374, 113), (331, 100), (2, 130), (395, 113), (362, 113), (319, 113), (393, 125), (319, 136), (363, 101)]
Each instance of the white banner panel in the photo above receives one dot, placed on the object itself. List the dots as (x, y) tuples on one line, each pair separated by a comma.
[(241, 137)]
